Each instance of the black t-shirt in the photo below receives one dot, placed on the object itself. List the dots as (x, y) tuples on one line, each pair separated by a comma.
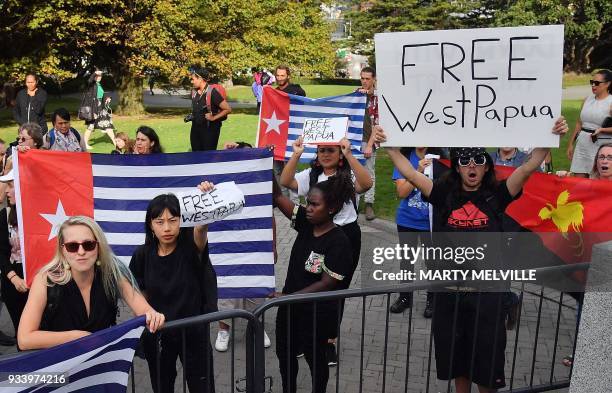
[(311, 255), (199, 108), (174, 284), (293, 89), (65, 309)]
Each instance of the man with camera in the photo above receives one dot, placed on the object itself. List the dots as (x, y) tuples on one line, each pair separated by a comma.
[(208, 110)]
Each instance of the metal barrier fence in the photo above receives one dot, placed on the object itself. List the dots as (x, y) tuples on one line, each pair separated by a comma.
[(368, 363)]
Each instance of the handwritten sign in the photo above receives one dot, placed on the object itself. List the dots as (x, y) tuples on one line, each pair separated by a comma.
[(474, 87), (324, 131), (198, 208)]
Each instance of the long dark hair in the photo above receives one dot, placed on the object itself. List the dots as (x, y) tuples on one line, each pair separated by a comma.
[(152, 135), (336, 192), (453, 180), (343, 172), (156, 208)]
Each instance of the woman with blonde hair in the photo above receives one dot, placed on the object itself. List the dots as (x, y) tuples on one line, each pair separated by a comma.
[(76, 293)]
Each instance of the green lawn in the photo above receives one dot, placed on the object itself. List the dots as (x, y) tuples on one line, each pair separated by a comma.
[(571, 79), (174, 134)]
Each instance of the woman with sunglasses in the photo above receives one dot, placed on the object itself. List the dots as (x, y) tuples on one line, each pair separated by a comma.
[(332, 160), (174, 271), (29, 137), (470, 199), (76, 293), (589, 134)]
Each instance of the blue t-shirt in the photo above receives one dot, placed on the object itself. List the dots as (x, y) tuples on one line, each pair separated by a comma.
[(412, 211)]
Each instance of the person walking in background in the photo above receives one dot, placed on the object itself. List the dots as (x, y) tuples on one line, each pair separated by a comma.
[(370, 119), (30, 103), (257, 87), (588, 134), (99, 104)]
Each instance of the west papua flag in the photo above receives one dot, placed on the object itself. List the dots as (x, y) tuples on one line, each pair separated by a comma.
[(115, 190), (281, 119), (99, 362)]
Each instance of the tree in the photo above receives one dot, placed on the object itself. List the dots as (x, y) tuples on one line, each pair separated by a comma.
[(588, 26)]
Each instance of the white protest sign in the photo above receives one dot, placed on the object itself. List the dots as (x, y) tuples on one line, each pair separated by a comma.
[(474, 87), (324, 131), (198, 208)]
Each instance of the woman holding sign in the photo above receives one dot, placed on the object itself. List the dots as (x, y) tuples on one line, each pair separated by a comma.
[(590, 131), (174, 272), (468, 325), (318, 263), (332, 160)]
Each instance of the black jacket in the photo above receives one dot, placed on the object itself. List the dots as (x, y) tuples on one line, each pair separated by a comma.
[(31, 109), (90, 97), (294, 89)]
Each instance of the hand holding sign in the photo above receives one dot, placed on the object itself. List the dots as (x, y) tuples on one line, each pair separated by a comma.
[(209, 203), (327, 131)]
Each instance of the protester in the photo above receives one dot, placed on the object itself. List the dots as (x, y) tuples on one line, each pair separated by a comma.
[(122, 144), (283, 75), (602, 167), (76, 293), (318, 262), (208, 108), (588, 134), (147, 141), (99, 102), (14, 288), (29, 137), (62, 136), (412, 219), (370, 119), (339, 161), (174, 271), (471, 181), (30, 103)]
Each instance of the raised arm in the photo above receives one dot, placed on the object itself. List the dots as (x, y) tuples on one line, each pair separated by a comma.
[(363, 180), (200, 232), (287, 177), (403, 186), (284, 204), (29, 335), (519, 177)]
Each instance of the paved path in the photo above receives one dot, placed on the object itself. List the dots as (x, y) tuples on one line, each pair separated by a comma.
[(376, 234)]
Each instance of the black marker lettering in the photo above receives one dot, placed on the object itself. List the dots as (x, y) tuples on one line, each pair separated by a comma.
[(407, 123), (449, 115), (511, 59), (463, 101), (478, 106), (446, 69), (404, 64), (474, 60)]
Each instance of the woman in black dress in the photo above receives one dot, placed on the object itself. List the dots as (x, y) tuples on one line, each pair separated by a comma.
[(76, 293), (174, 271)]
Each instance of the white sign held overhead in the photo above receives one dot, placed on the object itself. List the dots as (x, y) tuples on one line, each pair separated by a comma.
[(473, 87), (324, 131), (198, 208)]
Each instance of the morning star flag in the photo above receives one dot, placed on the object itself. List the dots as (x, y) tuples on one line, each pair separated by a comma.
[(116, 189), (99, 362), (282, 116)]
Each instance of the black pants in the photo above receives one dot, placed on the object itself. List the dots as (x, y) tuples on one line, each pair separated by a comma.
[(410, 237), (205, 136), (15, 301), (294, 325), (197, 357)]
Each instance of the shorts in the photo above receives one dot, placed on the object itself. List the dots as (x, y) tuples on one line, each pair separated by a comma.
[(479, 340)]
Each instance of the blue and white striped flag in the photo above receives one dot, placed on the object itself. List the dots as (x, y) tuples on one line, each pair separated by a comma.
[(116, 190), (99, 362)]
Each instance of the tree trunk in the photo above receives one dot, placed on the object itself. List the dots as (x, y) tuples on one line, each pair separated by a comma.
[(130, 95)]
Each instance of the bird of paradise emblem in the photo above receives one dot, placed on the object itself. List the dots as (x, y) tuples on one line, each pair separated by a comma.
[(566, 215)]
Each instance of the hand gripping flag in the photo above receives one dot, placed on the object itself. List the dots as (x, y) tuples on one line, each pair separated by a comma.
[(282, 117), (116, 189), (99, 362)]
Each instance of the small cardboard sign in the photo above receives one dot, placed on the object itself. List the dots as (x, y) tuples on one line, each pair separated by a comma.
[(325, 131), (198, 208)]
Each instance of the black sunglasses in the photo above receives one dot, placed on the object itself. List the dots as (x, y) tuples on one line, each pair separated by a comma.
[(478, 160), (596, 83), (88, 245)]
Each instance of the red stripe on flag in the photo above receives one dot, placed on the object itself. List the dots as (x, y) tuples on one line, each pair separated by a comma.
[(274, 121), (47, 178)]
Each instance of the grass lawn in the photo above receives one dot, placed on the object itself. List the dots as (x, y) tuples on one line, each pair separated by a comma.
[(242, 125)]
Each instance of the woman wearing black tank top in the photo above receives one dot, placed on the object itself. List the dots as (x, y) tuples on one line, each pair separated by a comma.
[(76, 293)]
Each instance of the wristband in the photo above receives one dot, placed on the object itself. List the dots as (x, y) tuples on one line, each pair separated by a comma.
[(11, 277)]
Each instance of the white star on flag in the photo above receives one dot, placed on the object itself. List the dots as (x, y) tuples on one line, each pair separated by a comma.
[(273, 123), (56, 220)]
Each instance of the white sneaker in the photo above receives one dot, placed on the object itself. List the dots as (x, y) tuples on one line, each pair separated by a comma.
[(222, 341), (267, 342)]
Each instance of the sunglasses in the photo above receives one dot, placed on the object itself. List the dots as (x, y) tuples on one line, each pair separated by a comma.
[(326, 150), (596, 83), (88, 245), (477, 160), (602, 157), (22, 139)]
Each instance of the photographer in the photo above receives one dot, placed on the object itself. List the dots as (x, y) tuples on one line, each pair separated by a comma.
[(208, 110)]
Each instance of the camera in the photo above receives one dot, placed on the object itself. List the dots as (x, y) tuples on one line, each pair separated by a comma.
[(188, 118)]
